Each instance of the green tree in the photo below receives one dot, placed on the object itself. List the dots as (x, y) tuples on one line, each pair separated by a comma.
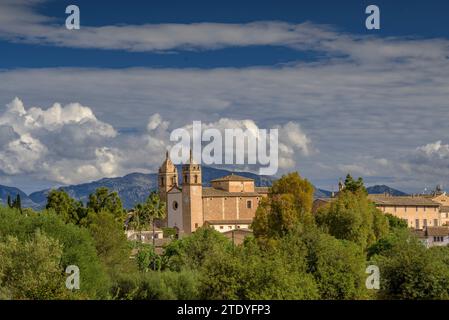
[(111, 243), (354, 185), (249, 272), (17, 203), (70, 210), (190, 252), (411, 271), (78, 247), (289, 203), (32, 269), (104, 200), (338, 266), (9, 201), (352, 216)]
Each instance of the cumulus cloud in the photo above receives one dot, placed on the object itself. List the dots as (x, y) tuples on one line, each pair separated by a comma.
[(68, 144), (35, 140)]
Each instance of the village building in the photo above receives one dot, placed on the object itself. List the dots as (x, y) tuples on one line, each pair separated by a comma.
[(230, 203), (434, 236), (417, 211)]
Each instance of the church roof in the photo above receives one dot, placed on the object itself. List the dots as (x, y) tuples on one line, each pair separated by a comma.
[(229, 221), (232, 177), (212, 192)]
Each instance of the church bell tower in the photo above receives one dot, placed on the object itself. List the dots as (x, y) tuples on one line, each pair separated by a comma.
[(192, 201), (167, 177)]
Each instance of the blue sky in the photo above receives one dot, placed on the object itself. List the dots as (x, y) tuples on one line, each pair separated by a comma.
[(373, 103)]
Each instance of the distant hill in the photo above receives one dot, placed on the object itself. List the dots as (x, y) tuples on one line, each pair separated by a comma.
[(381, 189), (377, 189), (13, 192), (135, 187)]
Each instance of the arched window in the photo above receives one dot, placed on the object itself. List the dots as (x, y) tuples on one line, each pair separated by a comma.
[(196, 179), (162, 181)]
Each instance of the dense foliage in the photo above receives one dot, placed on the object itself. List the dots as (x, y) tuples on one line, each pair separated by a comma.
[(294, 253)]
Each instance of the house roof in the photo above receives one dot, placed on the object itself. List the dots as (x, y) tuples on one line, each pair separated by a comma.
[(212, 192), (402, 201), (240, 221), (232, 177), (437, 231), (241, 230), (263, 190)]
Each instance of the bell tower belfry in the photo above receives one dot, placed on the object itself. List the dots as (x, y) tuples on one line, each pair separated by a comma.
[(192, 201), (167, 177)]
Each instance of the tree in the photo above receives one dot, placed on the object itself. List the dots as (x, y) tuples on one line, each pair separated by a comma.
[(338, 266), (251, 273), (32, 269), (352, 216), (70, 210), (103, 200), (354, 185), (78, 247), (17, 203), (411, 271), (190, 252), (9, 201), (110, 242), (289, 203)]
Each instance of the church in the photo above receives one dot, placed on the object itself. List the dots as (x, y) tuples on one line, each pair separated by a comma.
[(229, 204)]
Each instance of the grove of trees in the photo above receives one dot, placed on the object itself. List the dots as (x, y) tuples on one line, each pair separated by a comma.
[(293, 254)]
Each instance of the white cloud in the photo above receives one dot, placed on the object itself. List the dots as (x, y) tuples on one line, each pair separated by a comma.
[(20, 22), (68, 144)]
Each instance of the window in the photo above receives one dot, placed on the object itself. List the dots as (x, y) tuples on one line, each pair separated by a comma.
[(417, 224), (435, 222), (196, 225), (175, 205), (405, 208), (425, 222), (238, 227), (416, 208), (229, 227), (395, 208), (424, 209), (185, 178), (249, 204), (162, 181), (221, 227), (196, 179)]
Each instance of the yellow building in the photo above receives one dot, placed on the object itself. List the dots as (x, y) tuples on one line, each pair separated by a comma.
[(229, 204), (443, 199), (418, 211)]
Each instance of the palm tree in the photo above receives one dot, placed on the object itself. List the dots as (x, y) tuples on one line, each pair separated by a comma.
[(156, 209)]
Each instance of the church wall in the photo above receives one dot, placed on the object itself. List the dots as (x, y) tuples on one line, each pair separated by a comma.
[(229, 208), (174, 215)]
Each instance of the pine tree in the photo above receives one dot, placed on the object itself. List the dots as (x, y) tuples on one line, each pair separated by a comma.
[(18, 203), (9, 201)]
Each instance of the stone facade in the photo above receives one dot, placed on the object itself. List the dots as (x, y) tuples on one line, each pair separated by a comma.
[(231, 198)]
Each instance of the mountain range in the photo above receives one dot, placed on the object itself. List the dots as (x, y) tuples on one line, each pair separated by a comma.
[(135, 187)]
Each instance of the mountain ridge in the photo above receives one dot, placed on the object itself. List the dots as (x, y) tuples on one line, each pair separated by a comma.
[(135, 187)]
